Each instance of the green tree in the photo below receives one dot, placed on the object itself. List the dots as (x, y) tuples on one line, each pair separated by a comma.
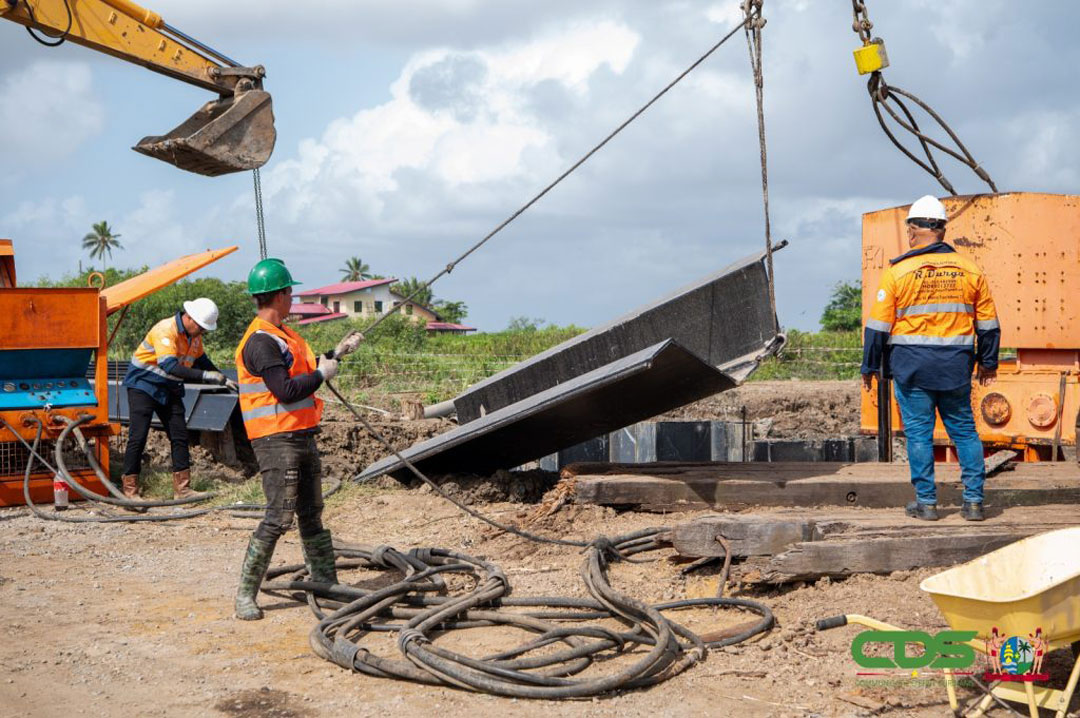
[(843, 313), (452, 312), (355, 270), (101, 241), (524, 324), (406, 287)]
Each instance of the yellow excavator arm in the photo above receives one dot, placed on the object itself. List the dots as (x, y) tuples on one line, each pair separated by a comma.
[(230, 134)]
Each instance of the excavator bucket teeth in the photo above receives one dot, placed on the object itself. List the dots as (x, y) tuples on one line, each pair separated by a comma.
[(228, 135)]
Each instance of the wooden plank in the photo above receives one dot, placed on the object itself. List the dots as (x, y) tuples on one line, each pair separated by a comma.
[(746, 534), (845, 557), (686, 487)]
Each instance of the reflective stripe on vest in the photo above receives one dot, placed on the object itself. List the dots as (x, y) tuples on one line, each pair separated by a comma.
[(936, 308), (933, 341), (262, 413), (275, 409)]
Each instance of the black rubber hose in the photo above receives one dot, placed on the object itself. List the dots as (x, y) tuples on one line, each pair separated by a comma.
[(56, 516), (94, 496), (834, 622)]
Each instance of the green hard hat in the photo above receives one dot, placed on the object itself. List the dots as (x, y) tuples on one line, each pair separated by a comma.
[(269, 275)]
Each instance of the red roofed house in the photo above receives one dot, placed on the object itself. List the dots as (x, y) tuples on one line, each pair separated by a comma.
[(368, 298)]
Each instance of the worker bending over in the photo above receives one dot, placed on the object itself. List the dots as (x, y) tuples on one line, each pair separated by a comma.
[(278, 379), (171, 354), (931, 323)]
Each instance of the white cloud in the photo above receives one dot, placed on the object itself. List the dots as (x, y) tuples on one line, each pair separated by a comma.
[(456, 118), (47, 110)]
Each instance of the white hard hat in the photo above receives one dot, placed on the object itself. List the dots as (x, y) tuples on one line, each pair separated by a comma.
[(927, 207), (204, 312)]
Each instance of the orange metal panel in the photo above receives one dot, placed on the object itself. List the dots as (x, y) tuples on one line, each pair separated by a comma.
[(60, 318), (1028, 393), (120, 295), (1028, 244), (7, 263)]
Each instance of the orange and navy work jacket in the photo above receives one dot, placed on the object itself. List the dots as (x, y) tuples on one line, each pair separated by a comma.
[(263, 414), (165, 347), (931, 318)]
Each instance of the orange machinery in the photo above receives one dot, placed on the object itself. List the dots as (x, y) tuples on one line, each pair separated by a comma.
[(48, 339), (1028, 245)]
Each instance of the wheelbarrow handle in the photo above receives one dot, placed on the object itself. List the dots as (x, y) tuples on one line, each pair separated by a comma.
[(835, 622)]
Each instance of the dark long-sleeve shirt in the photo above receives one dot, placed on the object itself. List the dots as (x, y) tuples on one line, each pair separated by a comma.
[(263, 357)]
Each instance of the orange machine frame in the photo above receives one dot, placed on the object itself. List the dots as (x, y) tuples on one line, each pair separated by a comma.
[(56, 318), (70, 318), (1028, 245)]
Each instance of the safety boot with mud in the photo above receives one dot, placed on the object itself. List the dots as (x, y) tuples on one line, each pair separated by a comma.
[(182, 486), (923, 512), (319, 557), (972, 511), (131, 492), (256, 561)]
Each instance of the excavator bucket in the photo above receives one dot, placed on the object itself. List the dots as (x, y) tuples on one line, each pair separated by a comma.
[(232, 134)]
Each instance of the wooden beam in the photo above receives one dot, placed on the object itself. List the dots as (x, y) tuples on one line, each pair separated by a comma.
[(696, 486), (747, 535), (844, 557)]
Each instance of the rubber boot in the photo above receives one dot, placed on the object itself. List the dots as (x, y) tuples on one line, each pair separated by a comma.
[(256, 561), (131, 491), (181, 481), (319, 557)]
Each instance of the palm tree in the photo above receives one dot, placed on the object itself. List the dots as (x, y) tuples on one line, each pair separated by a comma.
[(406, 287), (355, 270), (101, 241)]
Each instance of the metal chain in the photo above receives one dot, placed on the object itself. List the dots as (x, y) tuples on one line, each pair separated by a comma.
[(861, 24), (260, 222), (884, 96), (752, 25)]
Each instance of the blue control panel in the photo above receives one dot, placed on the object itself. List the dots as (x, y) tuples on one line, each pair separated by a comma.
[(38, 392)]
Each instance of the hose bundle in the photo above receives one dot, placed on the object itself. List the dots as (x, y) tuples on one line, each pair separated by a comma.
[(566, 637)]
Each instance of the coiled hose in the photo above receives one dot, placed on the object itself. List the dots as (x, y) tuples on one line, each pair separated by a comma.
[(62, 471), (415, 610)]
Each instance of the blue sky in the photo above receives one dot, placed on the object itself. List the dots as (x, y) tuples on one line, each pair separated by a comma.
[(407, 130)]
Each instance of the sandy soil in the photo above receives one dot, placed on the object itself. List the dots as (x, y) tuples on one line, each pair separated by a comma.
[(120, 620), (784, 409)]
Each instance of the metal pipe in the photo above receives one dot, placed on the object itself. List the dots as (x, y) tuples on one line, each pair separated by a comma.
[(884, 419), (195, 43), (441, 410)]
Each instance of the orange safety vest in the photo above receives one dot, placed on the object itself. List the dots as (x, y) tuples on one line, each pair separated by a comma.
[(165, 339), (933, 300), (263, 414)]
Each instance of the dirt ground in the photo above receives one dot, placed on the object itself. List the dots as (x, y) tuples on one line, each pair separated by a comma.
[(784, 409), (121, 620)]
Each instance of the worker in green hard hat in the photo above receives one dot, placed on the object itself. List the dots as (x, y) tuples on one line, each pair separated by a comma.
[(278, 375)]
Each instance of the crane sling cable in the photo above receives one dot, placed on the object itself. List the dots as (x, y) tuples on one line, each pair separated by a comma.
[(883, 95), (753, 25), (450, 267)]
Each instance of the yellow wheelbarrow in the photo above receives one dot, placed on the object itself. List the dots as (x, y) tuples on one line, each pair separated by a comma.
[(1021, 602)]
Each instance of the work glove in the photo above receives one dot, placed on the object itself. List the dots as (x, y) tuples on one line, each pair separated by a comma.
[(328, 368), (232, 386), (214, 377), (349, 344)]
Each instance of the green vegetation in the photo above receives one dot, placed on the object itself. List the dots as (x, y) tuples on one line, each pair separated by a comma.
[(843, 313), (101, 241), (355, 270), (817, 355)]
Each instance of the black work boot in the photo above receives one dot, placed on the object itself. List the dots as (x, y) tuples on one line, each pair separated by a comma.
[(256, 561), (925, 512), (319, 557), (972, 511)]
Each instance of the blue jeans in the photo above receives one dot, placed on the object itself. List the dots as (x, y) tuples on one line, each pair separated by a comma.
[(917, 410)]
